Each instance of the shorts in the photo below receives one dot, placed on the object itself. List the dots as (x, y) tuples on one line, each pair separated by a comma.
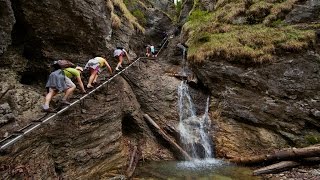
[(69, 83), (97, 69)]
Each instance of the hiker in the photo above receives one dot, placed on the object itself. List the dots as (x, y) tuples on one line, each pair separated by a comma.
[(95, 65), (148, 53), (59, 80), (120, 53), (153, 51)]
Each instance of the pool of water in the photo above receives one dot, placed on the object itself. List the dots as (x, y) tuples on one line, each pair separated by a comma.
[(197, 169)]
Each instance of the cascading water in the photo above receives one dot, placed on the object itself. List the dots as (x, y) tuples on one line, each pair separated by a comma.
[(193, 130)]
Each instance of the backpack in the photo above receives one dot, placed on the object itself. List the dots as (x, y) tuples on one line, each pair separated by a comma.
[(64, 64)]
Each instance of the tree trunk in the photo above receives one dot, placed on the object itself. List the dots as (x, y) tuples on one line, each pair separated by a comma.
[(287, 154), (281, 166), (167, 138), (133, 162)]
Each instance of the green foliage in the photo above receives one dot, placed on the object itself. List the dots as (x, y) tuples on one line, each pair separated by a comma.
[(312, 139), (178, 8), (277, 23), (250, 44), (250, 31), (140, 16), (204, 39), (130, 2), (198, 15)]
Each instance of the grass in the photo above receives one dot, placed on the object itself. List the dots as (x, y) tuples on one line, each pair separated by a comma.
[(116, 20), (279, 10), (140, 16), (247, 44), (244, 31)]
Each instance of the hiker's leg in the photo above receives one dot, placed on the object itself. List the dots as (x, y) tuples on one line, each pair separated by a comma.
[(48, 98), (120, 62), (68, 93), (95, 78), (92, 77), (70, 88)]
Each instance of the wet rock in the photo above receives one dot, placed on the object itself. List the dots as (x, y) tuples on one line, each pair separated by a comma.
[(62, 29), (208, 4), (5, 114), (278, 97), (306, 12), (7, 21), (316, 113), (186, 8)]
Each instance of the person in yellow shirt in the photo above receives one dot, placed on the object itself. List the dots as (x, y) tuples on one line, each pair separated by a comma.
[(60, 80), (95, 65), (75, 73)]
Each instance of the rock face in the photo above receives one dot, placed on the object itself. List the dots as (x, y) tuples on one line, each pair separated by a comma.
[(7, 21), (82, 145), (208, 4), (60, 29), (309, 12), (269, 106)]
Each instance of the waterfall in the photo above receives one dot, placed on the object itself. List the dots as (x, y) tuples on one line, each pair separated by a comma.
[(194, 130)]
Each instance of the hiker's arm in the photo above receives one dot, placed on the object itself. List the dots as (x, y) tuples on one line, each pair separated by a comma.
[(127, 56), (108, 66), (81, 84)]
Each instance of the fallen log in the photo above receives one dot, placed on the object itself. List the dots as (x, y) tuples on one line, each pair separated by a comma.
[(287, 154), (278, 167), (167, 138), (285, 165), (132, 163)]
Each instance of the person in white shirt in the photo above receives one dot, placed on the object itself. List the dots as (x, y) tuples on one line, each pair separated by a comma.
[(120, 53)]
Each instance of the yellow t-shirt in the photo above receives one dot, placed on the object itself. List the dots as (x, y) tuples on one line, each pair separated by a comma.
[(71, 72), (101, 61)]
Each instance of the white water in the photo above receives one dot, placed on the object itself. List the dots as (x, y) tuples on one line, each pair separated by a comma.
[(193, 130)]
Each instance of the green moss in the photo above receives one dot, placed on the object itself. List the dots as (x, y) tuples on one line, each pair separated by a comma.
[(130, 2), (140, 16), (256, 43), (213, 34), (198, 15), (312, 139)]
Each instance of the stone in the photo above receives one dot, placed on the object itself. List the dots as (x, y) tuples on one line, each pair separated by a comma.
[(7, 21)]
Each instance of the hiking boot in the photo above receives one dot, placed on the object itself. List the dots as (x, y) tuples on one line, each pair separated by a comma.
[(65, 102), (49, 110)]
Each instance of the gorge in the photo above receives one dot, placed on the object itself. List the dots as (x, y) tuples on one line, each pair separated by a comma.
[(257, 61)]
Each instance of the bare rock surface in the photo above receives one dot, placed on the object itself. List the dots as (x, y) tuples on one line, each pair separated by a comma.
[(7, 21)]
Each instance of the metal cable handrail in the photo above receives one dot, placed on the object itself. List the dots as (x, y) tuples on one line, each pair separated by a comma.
[(15, 136)]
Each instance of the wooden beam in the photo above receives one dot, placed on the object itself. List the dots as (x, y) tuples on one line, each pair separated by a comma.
[(167, 138)]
